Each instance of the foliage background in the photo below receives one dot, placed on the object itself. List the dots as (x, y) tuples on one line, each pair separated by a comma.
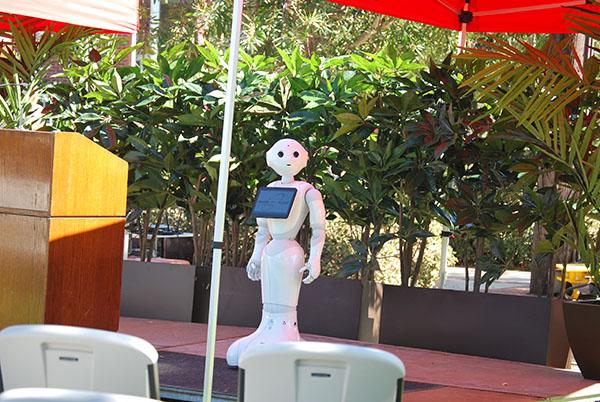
[(400, 145)]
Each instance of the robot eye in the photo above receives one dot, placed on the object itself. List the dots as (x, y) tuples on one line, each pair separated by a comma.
[(280, 154), (296, 154)]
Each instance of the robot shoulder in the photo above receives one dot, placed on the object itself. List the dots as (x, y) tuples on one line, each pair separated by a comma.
[(312, 194), (304, 187)]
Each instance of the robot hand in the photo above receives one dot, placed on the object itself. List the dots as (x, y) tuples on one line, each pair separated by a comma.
[(313, 269), (253, 270)]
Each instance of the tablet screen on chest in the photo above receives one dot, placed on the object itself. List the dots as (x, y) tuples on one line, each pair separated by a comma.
[(274, 202)]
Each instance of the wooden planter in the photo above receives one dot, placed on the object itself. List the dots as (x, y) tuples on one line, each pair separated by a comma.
[(583, 329), (328, 306), (62, 209), (517, 328)]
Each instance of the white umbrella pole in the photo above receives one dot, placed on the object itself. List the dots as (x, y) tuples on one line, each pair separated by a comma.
[(154, 26), (462, 35), (234, 51), (462, 42), (133, 55)]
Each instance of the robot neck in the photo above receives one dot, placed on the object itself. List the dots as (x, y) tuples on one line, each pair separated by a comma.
[(287, 179)]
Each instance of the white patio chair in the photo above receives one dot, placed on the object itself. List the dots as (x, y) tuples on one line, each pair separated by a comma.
[(65, 395), (55, 356), (319, 372)]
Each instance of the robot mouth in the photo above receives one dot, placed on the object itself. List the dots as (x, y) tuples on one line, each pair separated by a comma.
[(289, 164)]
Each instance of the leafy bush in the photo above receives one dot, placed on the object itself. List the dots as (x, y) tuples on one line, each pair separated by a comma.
[(392, 147)]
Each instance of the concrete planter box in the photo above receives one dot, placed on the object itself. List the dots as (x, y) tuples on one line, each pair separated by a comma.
[(328, 306), (157, 290), (517, 328)]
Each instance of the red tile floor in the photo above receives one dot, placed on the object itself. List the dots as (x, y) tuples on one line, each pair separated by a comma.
[(461, 378)]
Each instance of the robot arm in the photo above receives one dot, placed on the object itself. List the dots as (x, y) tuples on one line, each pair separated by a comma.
[(260, 241), (317, 239)]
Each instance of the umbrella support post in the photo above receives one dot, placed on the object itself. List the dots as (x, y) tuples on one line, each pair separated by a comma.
[(462, 38), (464, 17), (154, 25), (234, 52)]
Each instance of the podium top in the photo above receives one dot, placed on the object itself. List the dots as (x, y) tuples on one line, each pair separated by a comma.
[(60, 175)]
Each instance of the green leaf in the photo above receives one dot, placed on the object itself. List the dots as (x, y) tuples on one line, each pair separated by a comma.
[(138, 144), (116, 82), (88, 117), (349, 122), (366, 106), (544, 246), (350, 267), (359, 247)]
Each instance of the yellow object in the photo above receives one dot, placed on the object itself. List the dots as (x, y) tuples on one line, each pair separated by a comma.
[(577, 274)]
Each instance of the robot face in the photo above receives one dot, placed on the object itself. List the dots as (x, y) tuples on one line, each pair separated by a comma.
[(287, 157)]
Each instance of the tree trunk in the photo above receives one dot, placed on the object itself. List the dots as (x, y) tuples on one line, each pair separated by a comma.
[(195, 233), (226, 244), (144, 234), (379, 25), (154, 237), (563, 281), (409, 248), (235, 241), (541, 267), (415, 274), (204, 234), (466, 262), (201, 27), (479, 244), (370, 312), (194, 218), (372, 296), (366, 233), (373, 256), (245, 237), (401, 245)]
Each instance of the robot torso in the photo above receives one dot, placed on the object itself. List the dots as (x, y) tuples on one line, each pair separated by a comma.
[(288, 228)]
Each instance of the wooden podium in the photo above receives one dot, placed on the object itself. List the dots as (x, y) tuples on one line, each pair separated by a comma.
[(62, 217)]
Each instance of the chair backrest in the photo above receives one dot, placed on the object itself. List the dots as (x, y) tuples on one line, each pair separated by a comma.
[(65, 395), (55, 356), (319, 372)]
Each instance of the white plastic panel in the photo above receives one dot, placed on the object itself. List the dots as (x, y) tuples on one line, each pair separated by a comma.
[(320, 381), (68, 368), (319, 372), (78, 358)]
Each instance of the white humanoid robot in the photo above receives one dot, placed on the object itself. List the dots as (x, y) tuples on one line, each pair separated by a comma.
[(279, 263)]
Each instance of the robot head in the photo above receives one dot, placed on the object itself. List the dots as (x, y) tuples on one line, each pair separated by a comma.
[(287, 157)]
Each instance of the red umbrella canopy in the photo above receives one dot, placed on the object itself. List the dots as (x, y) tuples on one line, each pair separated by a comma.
[(109, 16), (524, 16)]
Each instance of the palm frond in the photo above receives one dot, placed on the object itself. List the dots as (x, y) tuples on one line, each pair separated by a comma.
[(585, 21), (20, 106), (27, 53), (551, 93), (550, 78)]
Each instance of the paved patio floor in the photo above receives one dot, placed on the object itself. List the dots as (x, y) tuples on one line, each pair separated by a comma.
[(461, 378)]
